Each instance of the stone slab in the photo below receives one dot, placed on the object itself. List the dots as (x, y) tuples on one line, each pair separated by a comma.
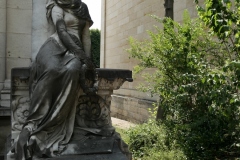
[(19, 21), (20, 4), (90, 146), (115, 156), (20, 45), (5, 96)]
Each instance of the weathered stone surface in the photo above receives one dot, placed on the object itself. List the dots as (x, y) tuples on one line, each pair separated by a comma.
[(5, 103), (3, 20), (20, 4), (3, 3), (19, 21), (19, 47), (13, 62), (114, 156), (95, 145)]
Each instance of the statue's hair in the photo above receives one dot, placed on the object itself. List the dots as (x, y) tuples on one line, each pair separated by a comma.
[(68, 3)]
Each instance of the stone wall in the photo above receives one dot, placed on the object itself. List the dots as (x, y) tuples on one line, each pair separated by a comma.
[(15, 51), (18, 43), (3, 13), (120, 20), (15, 41)]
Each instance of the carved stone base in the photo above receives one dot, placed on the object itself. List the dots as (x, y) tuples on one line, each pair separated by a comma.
[(94, 137), (94, 148)]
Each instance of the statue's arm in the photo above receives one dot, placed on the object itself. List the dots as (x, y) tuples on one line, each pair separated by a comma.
[(86, 40), (57, 17)]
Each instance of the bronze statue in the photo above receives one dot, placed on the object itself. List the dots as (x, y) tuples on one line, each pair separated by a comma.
[(57, 74)]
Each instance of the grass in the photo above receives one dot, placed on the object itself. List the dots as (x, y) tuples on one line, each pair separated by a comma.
[(123, 133)]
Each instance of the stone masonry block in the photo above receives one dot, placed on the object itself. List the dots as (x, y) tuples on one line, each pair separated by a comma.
[(3, 20), (2, 45), (20, 4), (20, 45), (3, 4), (19, 21)]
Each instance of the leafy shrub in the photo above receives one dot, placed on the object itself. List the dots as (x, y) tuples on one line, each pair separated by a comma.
[(197, 86)]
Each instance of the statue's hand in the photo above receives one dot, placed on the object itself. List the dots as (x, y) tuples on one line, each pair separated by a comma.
[(80, 54), (89, 63)]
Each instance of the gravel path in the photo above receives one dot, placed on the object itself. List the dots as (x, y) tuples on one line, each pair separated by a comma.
[(122, 124)]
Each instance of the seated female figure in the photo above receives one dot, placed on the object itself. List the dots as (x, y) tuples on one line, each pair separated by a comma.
[(57, 75)]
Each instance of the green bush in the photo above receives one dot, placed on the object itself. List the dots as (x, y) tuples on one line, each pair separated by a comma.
[(149, 141), (198, 87), (95, 48)]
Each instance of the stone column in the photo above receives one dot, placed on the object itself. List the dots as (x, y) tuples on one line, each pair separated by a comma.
[(2, 41), (103, 34)]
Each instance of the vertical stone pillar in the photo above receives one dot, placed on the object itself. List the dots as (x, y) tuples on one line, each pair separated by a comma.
[(3, 19), (103, 34)]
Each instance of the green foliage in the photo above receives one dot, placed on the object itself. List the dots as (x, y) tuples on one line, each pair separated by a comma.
[(198, 86), (223, 17), (149, 141), (123, 133), (95, 49)]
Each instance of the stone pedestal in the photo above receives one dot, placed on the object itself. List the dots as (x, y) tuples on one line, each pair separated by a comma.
[(92, 116)]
